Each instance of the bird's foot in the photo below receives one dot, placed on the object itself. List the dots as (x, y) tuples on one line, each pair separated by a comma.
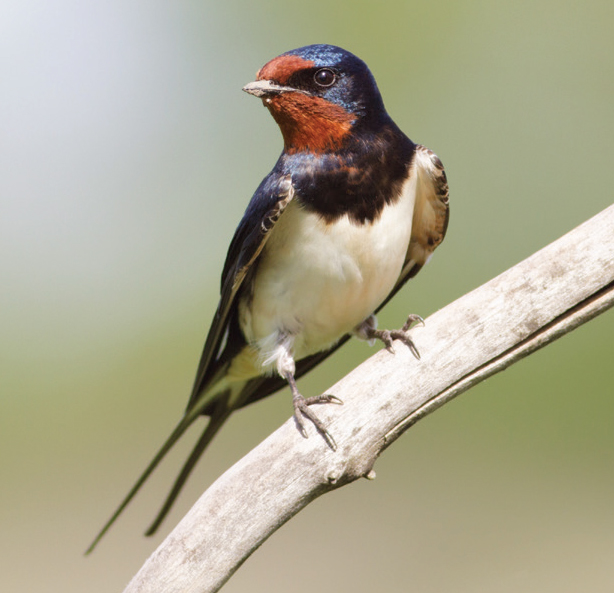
[(301, 409), (368, 330)]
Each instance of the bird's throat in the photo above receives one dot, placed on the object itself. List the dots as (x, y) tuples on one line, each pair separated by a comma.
[(310, 123)]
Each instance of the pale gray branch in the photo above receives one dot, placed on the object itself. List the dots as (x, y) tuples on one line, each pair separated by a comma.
[(547, 295)]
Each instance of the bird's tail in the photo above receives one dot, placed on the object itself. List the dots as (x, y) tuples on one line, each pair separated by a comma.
[(220, 414), (215, 423)]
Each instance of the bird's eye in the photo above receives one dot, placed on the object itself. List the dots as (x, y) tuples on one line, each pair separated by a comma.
[(324, 77)]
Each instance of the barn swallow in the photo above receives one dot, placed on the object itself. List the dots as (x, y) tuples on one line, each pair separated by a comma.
[(351, 210)]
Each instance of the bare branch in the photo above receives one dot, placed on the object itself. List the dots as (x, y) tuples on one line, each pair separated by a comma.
[(547, 295)]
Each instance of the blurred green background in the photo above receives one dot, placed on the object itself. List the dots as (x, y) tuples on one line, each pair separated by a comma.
[(127, 155)]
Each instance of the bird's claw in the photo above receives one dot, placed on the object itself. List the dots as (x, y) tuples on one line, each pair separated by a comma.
[(301, 409), (389, 336), (411, 319), (322, 399), (403, 337)]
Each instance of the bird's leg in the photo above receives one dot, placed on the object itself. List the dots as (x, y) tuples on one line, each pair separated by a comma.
[(286, 367), (301, 408), (367, 330)]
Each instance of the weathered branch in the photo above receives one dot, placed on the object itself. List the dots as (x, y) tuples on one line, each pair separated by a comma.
[(547, 295)]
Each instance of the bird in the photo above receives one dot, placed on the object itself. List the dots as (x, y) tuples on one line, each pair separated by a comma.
[(351, 210)]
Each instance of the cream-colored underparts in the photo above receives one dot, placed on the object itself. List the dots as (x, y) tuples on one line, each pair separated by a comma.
[(317, 281)]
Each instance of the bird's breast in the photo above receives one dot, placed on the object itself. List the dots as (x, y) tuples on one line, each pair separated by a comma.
[(318, 280)]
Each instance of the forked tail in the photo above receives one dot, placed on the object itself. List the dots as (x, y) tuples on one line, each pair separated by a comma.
[(219, 416)]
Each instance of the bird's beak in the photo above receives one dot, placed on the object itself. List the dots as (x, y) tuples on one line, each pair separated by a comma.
[(266, 88)]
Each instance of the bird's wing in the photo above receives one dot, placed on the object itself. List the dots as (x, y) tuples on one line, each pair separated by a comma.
[(429, 225), (431, 214), (263, 211)]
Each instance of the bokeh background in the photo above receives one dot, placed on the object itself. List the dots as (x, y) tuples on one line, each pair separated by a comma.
[(127, 155)]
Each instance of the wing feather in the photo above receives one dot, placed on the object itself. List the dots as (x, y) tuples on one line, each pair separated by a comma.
[(432, 210), (264, 210)]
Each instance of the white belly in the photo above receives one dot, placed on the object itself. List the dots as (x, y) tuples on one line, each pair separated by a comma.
[(317, 281)]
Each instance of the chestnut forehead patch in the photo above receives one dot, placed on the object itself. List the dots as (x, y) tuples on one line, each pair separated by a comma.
[(281, 68)]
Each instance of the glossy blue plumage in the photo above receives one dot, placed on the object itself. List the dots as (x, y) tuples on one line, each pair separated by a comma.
[(357, 91)]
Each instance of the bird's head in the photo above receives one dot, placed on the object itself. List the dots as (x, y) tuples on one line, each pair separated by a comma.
[(319, 95)]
